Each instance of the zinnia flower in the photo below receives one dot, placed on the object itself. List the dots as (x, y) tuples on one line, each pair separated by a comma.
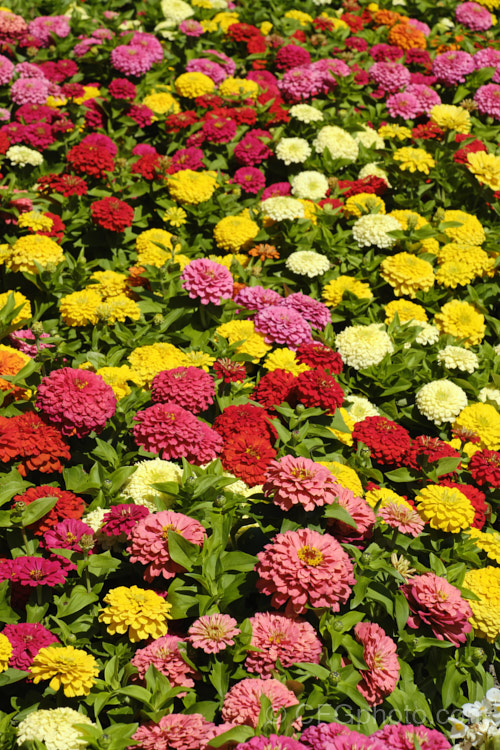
[(175, 732), (445, 508), (282, 639), (142, 613), (65, 666), (304, 566), (55, 727), (149, 541), (207, 281), (297, 480), (164, 654), (437, 603), (242, 702), (213, 633), (485, 618), (189, 387), (26, 639), (76, 401), (379, 653)]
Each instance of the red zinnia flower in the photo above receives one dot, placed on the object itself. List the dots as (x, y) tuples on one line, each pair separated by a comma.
[(33, 571), (319, 388), (274, 388), (317, 354), (432, 449), (66, 184), (112, 213), (244, 418), (229, 371), (247, 455), (68, 505), (90, 159), (30, 438), (485, 467), (388, 442)]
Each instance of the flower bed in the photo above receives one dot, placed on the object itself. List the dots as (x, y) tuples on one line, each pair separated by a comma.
[(250, 427)]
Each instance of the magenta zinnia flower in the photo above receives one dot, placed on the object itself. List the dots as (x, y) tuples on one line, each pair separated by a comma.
[(213, 633), (320, 736), (438, 604), (314, 311), (66, 534), (76, 401), (33, 571), (165, 656), (296, 480), (301, 567), (283, 325), (175, 732), (149, 542), (379, 653), (27, 639), (121, 519), (189, 387), (207, 281), (242, 702), (273, 742), (403, 736), (281, 638)]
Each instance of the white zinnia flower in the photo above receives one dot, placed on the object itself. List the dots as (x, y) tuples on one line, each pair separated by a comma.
[(176, 11), (95, 518), (363, 346), (312, 186), (293, 150), (490, 394), (360, 407), (139, 486), (372, 229), (369, 138), (23, 156), (458, 358), (338, 141), (441, 401), (283, 207), (428, 334), (306, 113), (55, 727), (307, 263)]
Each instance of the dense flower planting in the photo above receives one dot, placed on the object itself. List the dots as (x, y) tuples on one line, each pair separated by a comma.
[(249, 375)]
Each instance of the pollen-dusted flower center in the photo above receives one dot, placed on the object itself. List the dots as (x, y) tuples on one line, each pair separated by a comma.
[(70, 538), (442, 595), (80, 384), (310, 555), (299, 473), (165, 530), (36, 574)]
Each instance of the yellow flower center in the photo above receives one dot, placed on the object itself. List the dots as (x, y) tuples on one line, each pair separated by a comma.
[(310, 555)]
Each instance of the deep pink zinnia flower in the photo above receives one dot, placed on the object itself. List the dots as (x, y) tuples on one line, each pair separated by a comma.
[(314, 311), (437, 603), (27, 639), (242, 703), (281, 638), (406, 520), (283, 325), (257, 297), (405, 737), (356, 741), (213, 633), (304, 566), (76, 401), (207, 281), (189, 387), (167, 430), (175, 732), (320, 736), (379, 653), (66, 534), (149, 542), (165, 656), (121, 519), (295, 480), (33, 571), (273, 742), (250, 179)]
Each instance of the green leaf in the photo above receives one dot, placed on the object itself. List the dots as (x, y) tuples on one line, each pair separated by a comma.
[(181, 551), (235, 735), (37, 509), (446, 465), (12, 675), (78, 599), (103, 563), (239, 561), (400, 475), (135, 691), (335, 510), (450, 692)]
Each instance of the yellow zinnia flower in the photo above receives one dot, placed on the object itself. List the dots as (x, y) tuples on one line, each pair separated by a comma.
[(445, 508), (65, 666), (142, 613), (414, 159)]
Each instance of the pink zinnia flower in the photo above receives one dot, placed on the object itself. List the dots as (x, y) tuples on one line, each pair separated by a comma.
[(175, 732), (19, 339), (437, 603), (242, 703), (165, 656), (281, 638), (283, 325), (27, 639), (403, 105), (452, 67), (44, 28), (291, 56), (167, 430), (121, 519), (487, 58), (33, 571), (208, 67), (314, 311), (133, 61), (474, 16), (389, 76), (406, 520), (6, 70), (296, 480), (276, 189), (190, 27), (305, 567), (356, 741), (76, 401), (404, 736), (189, 387), (426, 96), (320, 736), (208, 448), (250, 179), (30, 91), (66, 534), (213, 633), (301, 83), (273, 742), (379, 653), (487, 99), (360, 512), (257, 297), (149, 542), (207, 281)]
